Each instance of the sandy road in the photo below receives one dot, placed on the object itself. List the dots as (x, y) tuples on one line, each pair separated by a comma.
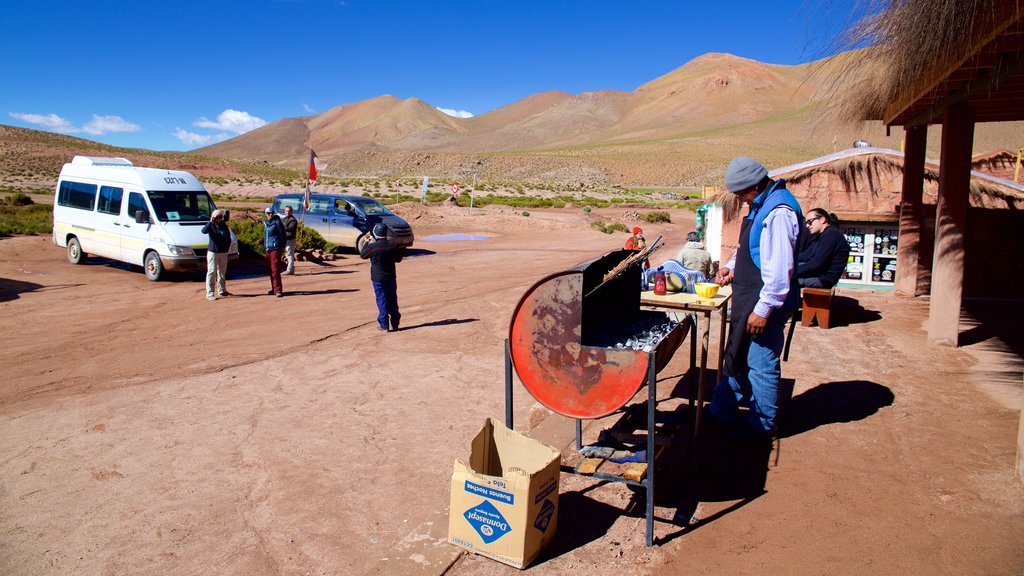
[(148, 431)]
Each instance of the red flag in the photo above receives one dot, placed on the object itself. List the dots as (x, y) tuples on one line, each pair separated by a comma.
[(312, 165)]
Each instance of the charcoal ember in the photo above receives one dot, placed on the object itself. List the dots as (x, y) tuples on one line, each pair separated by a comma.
[(644, 334)]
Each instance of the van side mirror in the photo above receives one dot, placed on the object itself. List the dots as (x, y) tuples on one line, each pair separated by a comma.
[(141, 217)]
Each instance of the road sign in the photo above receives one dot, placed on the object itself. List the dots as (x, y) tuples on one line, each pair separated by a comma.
[(455, 188)]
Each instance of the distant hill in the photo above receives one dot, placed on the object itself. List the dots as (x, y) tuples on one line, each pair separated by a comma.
[(680, 129)]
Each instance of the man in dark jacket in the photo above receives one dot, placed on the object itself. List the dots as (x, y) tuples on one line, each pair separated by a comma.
[(291, 225), (821, 262), (217, 255), (273, 243), (383, 254)]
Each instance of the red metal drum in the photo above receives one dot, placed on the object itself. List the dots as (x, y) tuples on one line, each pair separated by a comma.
[(562, 374)]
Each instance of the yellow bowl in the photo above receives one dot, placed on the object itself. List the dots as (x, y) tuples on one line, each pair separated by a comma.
[(706, 289)]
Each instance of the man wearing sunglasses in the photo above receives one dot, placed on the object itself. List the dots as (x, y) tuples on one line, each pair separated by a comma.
[(821, 261), (764, 296)]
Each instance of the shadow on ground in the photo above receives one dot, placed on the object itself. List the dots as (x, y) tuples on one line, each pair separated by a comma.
[(993, 319), (714, 468), (445, 322), (832, 402), (13, 289), (848, 311)]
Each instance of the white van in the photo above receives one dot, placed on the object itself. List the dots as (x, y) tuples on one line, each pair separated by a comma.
[(149, 217)]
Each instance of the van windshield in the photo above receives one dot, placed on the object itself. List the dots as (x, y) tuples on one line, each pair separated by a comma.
[(181, 206), (371, 207)]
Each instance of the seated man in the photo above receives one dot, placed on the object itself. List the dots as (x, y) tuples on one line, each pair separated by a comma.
[(822, 259), (694, 256)]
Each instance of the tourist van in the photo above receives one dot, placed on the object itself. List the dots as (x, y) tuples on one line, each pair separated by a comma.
[(148, 217), (341, 218)]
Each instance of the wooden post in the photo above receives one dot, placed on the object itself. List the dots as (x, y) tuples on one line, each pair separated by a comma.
[(911, 212), (950, 225)]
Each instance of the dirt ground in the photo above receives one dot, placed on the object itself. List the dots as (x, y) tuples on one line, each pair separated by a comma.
[(145, 430)]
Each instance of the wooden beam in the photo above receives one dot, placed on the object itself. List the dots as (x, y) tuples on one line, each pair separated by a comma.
[(995, 22), (1009, 66), (911, 237), (950, 225)]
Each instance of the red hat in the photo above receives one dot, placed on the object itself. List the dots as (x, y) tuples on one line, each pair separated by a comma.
[(637, 230)]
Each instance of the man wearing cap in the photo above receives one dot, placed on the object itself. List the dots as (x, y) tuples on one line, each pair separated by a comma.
[(273, 242), (217, 255), (764, 296), (383, 254)]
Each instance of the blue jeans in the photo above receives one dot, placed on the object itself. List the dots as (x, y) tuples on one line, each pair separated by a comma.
[(386, 292), (758, 387)]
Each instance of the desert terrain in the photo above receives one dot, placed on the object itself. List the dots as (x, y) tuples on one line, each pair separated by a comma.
[(145, 430)]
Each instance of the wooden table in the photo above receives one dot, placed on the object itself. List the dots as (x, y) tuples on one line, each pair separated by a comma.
[(692, 303)]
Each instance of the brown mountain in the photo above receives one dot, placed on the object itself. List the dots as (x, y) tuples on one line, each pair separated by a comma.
[(714, 91), (680, 129)]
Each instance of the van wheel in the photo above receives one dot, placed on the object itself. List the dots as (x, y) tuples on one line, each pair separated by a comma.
[(154, 267), (75, 253)]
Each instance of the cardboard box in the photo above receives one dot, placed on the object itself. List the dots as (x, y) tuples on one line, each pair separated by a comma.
[(504, 504)]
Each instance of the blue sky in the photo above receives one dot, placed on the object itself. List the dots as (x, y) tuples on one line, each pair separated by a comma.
[(183, 74)]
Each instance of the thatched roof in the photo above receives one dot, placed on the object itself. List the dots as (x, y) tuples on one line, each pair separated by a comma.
[(850, 164), (925, 55)]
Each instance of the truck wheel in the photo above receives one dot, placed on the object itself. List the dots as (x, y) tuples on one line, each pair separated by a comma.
[(75, 253), (154, 267)]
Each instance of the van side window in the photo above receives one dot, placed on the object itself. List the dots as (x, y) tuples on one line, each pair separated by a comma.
[(341, 206), (110, 200), (76, 195), (293, 203), (320, 206), (135, 203)]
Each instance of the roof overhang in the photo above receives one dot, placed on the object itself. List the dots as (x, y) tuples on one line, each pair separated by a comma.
[(990, 80)]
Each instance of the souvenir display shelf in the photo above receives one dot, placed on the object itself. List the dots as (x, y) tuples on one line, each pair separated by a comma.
[(873, 249)]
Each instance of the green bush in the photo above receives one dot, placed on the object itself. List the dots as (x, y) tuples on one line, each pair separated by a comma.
[(525, 213), (310, 239), (657, 217), (250, 237), (587, 209), (609, 228), (17, 199), (30, 219)]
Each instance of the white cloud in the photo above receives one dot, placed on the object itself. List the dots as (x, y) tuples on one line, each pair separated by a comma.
[(193, 139), (307, 108), (232, 121), (50, 122), (104, 124), (98, 126), (456, 113)]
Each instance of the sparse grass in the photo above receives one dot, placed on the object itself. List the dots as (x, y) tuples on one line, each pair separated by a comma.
[(656, 217), (609, 228), (25, 219)]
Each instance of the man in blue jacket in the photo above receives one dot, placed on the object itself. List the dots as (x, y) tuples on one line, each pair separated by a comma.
[(273, 242), (764, 296)]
